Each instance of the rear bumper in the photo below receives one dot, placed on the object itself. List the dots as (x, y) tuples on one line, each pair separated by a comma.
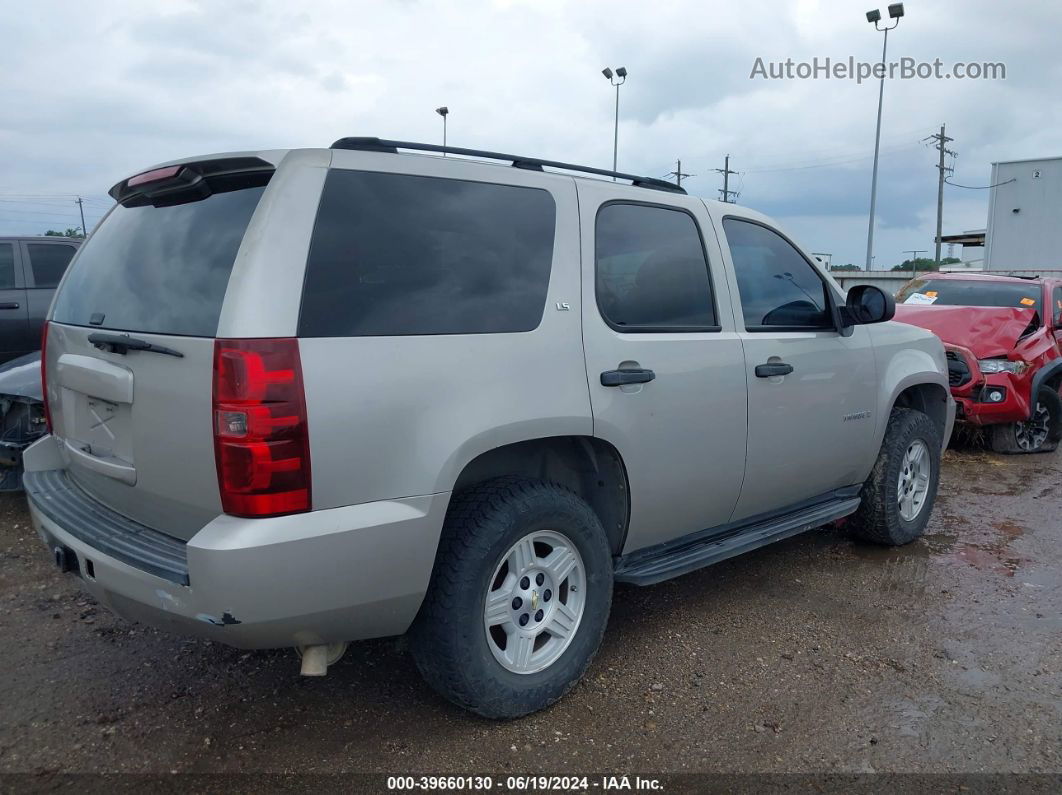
[(348, 573)]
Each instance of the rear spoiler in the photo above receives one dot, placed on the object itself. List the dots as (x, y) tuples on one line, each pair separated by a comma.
[(190, 181)]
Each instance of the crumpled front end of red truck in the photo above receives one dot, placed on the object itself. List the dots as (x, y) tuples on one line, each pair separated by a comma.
[(994, 355)]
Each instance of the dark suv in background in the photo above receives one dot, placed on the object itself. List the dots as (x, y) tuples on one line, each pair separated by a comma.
[(30, 270)]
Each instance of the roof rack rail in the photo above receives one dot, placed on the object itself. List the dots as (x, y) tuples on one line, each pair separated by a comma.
[(518, 161)]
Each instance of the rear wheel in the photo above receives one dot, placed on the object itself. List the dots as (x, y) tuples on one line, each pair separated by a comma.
[(898, 497), (1038, 434), (519, 598)]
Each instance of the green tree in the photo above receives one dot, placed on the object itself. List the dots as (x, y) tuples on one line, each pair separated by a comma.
[(924, 264), (74, 232), (846, 267)]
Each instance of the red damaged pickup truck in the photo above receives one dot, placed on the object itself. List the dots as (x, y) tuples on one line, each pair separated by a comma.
[(1003, 337)]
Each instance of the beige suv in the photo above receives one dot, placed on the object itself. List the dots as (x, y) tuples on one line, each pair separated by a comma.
[(299, 398)]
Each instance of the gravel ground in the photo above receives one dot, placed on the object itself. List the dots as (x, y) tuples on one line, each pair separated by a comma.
[(813, 655)]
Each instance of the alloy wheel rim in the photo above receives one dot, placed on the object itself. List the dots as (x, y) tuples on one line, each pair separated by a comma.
[(535, 602), (913, 485), (1032, 433)]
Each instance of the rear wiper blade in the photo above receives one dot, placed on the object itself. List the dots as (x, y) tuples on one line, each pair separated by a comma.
[(123, 343)]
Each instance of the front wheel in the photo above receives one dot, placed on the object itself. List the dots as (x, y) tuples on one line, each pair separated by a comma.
[(1038, 434), (518, 600), (898, 497)]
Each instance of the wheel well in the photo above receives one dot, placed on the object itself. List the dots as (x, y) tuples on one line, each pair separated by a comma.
[(591, 468), (1055, 379), (930, 399)]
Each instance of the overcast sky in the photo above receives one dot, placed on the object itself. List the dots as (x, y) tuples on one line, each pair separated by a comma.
[(93, 92)]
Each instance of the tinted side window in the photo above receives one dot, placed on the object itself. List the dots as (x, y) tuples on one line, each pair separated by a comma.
[(651, 272), (7, 266), (1058, 306), (49, 261), (394, 254), (778, 287)]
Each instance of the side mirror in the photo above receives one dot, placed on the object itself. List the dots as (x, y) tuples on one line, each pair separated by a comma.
[(868, 304)]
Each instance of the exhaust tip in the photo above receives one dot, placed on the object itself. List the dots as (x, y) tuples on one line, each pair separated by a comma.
[(317, 658)]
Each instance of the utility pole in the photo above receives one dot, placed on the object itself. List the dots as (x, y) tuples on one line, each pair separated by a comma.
[(80, 206), (678, 173), (942, 172), (725, 192)]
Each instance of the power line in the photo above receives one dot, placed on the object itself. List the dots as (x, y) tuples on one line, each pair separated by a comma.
[(33, 204), (893, 142), (981, 187), (830, 162), (12, 210), (58, 197)]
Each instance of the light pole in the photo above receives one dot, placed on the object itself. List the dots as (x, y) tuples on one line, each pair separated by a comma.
[(444, 112), (621, 73), (874, 17)]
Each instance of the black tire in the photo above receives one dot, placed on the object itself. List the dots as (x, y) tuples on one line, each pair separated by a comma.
[(1007, 437), (448, 639), (878, 519)]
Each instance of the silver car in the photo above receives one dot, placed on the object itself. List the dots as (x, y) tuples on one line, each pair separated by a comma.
[(299, 398)]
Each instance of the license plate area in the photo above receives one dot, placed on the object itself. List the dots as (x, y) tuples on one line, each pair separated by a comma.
[(102, 428)]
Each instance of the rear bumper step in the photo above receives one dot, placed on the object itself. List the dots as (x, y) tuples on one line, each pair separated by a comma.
[(57, 497)]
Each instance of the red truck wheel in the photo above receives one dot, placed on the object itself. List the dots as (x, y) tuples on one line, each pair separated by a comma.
[(1038, 434)]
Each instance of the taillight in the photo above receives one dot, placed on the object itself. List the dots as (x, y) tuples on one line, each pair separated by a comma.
[(44, 377), (261, 440)]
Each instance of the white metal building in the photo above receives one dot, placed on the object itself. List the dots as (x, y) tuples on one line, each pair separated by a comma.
[(1024, 213)]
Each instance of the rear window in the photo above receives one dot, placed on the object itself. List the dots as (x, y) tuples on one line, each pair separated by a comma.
[(394, 254), (159, 270), (970, 292)]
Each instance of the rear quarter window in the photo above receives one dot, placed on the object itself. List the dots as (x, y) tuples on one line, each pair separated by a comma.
[(48, 262), (394, 254)]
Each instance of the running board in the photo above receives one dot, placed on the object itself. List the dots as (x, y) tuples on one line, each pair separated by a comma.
[(656, 564)]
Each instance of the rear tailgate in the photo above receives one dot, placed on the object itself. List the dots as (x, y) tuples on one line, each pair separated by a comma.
[(129, 354)]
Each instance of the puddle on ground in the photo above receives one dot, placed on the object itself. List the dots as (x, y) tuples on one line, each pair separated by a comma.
[(961, 542)]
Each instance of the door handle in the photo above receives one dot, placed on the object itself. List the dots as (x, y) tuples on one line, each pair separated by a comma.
[(621, 377), (9, 305), (773, 369)]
